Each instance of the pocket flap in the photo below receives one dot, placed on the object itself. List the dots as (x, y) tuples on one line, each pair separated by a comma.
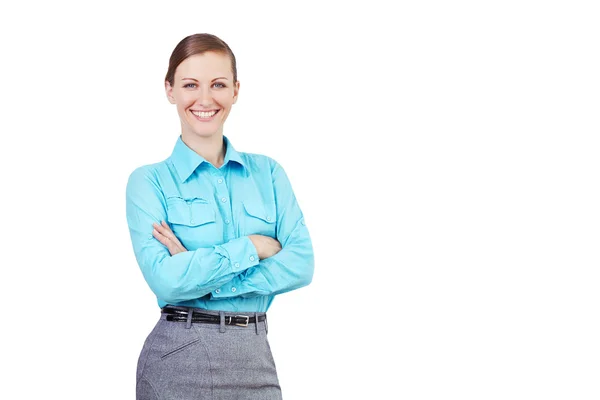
[(257, 210), (190, 213)]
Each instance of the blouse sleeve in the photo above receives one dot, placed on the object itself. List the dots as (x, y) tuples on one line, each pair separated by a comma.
[(293, 266), (187, 275)]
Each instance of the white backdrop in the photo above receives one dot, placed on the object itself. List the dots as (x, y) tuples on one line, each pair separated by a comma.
[(445, 155)]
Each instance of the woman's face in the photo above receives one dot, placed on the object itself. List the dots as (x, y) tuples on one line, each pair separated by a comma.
[(204, 92)]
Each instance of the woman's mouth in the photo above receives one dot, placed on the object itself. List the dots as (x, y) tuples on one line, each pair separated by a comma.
[(205, 116)]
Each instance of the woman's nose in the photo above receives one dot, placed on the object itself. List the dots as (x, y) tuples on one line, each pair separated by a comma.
[(205, 96)]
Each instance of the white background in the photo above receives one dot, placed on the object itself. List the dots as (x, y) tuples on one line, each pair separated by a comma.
[(445, 155)]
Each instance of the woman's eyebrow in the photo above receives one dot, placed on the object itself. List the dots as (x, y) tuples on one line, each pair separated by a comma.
[(222, 77)]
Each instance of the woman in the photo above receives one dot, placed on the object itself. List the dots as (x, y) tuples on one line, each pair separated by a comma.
[(217, 234)]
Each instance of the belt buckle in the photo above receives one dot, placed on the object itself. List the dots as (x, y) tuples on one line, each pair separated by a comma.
[(244, 324)]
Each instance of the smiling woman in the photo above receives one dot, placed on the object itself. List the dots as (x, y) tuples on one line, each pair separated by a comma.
[(217, 235), (203, 97)]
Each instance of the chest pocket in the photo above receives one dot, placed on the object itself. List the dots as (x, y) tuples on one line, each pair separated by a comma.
[(193, 221), (191, 213), (258, 218)]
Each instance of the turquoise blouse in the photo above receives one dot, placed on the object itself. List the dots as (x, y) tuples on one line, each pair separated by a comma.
[(211, 211)]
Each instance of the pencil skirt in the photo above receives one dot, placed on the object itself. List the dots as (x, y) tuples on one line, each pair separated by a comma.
[(207, 361)]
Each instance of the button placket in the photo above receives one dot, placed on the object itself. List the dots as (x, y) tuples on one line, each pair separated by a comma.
[(224, 200)]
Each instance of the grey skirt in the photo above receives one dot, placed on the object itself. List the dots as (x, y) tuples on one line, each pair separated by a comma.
[(207, 361)]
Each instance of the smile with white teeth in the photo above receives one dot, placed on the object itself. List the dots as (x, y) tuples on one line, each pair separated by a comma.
[(204, 115)]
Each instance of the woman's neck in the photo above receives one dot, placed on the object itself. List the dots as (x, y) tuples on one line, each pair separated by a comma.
[(211, 148)]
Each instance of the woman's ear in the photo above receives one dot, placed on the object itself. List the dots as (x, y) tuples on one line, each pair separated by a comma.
[(236, 90), (169, 92)]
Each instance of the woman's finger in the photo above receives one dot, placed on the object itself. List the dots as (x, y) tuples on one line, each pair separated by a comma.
[(164, 229), (160, 237), (173, 247), (165, 235), (160, 228), (167, 227)]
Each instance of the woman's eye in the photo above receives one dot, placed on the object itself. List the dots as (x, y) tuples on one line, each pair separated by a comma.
[(193, 85)]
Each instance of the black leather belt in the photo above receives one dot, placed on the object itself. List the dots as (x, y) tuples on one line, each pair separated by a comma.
[(182, 314)]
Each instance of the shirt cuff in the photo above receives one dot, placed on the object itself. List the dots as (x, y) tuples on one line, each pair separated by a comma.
[(241, 255)]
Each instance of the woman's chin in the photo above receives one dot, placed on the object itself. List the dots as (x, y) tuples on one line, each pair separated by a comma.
[(204, 133)]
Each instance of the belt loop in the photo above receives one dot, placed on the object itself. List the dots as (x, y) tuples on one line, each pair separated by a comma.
[(188, 325), (222, 322), (266, 325), (256, 322)]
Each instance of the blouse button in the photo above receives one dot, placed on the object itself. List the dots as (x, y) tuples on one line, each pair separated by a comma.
[(251, 258), (227, 221), (220, 180), (268, 218), (237, 265), (218, 291), (224, 200), (233, 289)]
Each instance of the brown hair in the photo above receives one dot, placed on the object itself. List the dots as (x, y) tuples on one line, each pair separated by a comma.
[(198, 43)]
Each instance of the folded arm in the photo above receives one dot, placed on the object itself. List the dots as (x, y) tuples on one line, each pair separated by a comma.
[(186, 275), (289, 269)]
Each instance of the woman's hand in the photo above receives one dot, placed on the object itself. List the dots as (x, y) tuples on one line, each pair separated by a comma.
[(265, 246), (165, 235)]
